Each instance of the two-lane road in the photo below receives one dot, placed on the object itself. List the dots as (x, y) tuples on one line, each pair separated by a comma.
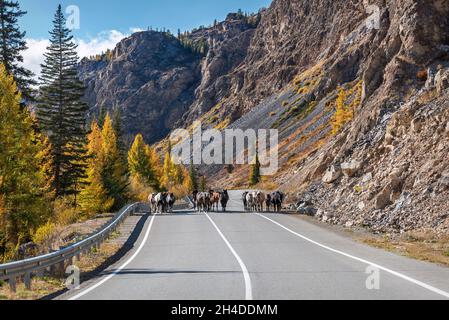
[(238, 255)]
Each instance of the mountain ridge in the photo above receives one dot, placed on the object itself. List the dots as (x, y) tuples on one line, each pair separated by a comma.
[(295, 68)]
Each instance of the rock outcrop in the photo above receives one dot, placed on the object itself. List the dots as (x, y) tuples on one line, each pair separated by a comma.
[(285, 68)]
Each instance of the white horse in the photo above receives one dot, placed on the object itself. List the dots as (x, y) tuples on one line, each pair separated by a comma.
[(152, 202), (250, 201)]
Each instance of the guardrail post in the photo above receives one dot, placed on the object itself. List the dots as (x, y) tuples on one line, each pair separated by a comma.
[(12, 284), (27, 280), (40, 273)]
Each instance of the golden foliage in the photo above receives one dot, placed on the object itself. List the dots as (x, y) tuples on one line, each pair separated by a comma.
[(345, 106)]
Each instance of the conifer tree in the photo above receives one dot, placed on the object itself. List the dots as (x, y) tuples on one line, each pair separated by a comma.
[(24, 193), (254, 176), (203, 184), (60, 110), (101, 116), (193, 177), (118, 128), (12, 43)]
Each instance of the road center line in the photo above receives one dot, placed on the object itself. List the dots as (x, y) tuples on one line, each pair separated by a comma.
[(117, 271), (248, 288), (395, 273)]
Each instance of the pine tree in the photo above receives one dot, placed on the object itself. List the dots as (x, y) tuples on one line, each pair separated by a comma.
[(60, 110), (140, 163), (94, 197), (193, 177), (101, 116), (117, 123), (12, 43), (115, 173), (203, 184), (254, 176), (24, 192)]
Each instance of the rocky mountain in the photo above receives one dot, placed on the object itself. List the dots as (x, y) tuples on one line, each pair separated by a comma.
[(293, 67), (160, 81)]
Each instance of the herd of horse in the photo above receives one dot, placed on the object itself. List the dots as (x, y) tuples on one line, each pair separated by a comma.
[(259, 201), (162, 202), (253, 201), (210, 201)]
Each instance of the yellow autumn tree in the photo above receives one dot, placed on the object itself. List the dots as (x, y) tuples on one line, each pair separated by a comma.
[(345, 105), (142, 162), (94, 197), (114, 170), (24, 191), (169, 172)]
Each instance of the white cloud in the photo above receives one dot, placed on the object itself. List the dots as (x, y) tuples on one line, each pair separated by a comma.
[(134, 30), (102, 42), (34, 55)]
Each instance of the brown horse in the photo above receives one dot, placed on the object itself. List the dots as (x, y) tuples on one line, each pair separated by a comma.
[(259, 198), (268, 202), (214, 199)]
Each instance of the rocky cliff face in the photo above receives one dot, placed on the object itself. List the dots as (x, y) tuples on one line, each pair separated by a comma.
[(151, 76), (160, 82), (387, 60)]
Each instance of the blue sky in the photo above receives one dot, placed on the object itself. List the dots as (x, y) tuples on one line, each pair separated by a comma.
[(103, 23), (103, 15)]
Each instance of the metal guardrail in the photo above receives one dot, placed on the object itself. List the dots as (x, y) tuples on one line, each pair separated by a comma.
[(26, 268)]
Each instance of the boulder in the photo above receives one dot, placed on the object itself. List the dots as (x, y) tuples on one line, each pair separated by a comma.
[(383, 199), (442, 80), (367, 177), (350, 169), (444, 180), (332, 175), (416, 125), (308, 211)]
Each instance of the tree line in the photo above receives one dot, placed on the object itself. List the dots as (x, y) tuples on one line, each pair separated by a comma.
[(55, 168)]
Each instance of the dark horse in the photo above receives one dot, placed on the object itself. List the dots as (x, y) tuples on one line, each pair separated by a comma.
[(224, 199), (245, 202), (194, 199)]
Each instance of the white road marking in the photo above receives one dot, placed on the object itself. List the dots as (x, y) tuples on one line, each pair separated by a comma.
[(117, 271), (395, 273), (248, 288)]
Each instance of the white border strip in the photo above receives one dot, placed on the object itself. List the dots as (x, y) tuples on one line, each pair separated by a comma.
[(397, 274), (248, 288), (117, 271)]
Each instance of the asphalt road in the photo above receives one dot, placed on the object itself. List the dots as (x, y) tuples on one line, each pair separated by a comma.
[(237, 255)]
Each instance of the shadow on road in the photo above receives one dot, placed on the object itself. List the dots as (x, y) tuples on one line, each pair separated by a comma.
[(100, 270)]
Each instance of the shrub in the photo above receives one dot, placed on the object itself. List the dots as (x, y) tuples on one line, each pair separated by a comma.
[(46, 236), (180, 191), (272, 114), (345, 105), (65, 213), (285, 103), (422, 75), (139, 190)]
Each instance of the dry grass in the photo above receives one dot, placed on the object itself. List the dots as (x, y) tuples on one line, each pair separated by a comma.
[(424, 246), (266, 184), (428, 96), (45, 286)]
